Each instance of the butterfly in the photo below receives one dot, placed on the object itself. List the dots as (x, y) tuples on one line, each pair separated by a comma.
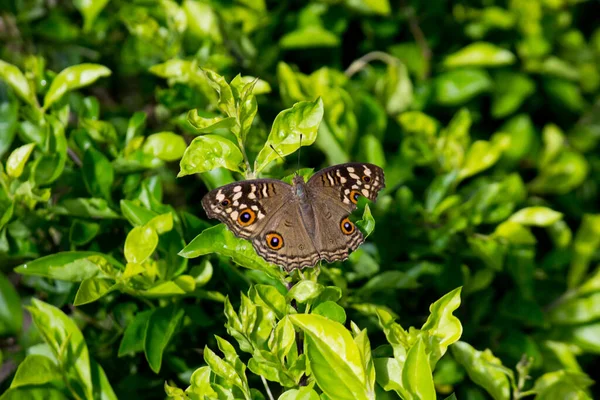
[(295, 226)]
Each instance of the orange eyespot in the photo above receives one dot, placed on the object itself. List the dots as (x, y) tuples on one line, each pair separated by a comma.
[(225, 203), (347, 226), (354, 196), (366, 179), (274, 240), (246, 217)]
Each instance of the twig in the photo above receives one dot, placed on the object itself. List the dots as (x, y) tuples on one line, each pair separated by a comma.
[(74, 157), (269, 394), (417, 32), (363, 61), (299, 343)]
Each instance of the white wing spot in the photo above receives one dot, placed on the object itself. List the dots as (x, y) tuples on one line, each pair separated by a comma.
[(367, 172), (237, 189), (242, 206), (251, 195), (236, 203), (260, 215), (229, 210), (365, 192), (255, 208), (350, 169), (234, 215), (354, 176), (342, 179), (237, 196), (220, 196)]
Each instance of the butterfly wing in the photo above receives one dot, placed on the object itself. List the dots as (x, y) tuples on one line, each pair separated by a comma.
[(246, 206), (266, 212), (347, 182), (334, 192)]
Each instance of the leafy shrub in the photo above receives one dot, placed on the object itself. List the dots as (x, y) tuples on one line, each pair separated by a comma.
[(484, 116)]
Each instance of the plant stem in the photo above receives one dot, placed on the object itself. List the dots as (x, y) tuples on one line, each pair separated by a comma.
[(299, 342), (269, 394), (363, 61)]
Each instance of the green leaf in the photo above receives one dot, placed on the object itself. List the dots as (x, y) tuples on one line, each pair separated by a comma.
[(304, 291), (576, 311), (282, 339), (17, 81), (91, 289), (331, 310), (395, 89), (11, 315), (218, 239), (67, 344), (36, 370), (134, 337), (566, 173), (562, 385), (456, 87), (208, 152), (82, 232), (482, 155), (223, 369), (161, 327), (416, 373), (227, 102), (268, 296), (442, 328), (511, 90), (50, 165), (536, 216), (207, 125), (484, 369), (585, 244), (334, 358), (140, 243), (367, 223), (166, 146), (72, 266), (309, 37), (368, 7), (17, 160), (85, 208), (98, 174), (479, 54), (9, 112), (89, 10), (34, 393), (389, 376), (303, 119), (72, 78), (304, 393)]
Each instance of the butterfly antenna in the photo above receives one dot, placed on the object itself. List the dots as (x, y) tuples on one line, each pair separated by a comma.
[(278, 153), (300, 147)]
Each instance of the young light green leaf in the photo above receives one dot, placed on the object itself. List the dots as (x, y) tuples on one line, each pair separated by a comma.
[(304, 291), (207, 125), (268, 296), (98, 173), (85, 208), (458, 86), (36, 370), (585, 244), (334, 358), (331, 310), (11, 315), (536, 216), (9, 113), (223, 369), (91, 289), (71, 78), (161, 327), (483, 369), (395, 88), (89, 10), (166, 146), (282, 339), (67, 344), (140, 243), (208, 152), (364, 347), (479, 54), (17, 160), (304, 393), (303, 119), (367, 223), (416, 373), (17, 81), (482, 154), (227, 102), (218, 239), (389, 376), (442, 327)]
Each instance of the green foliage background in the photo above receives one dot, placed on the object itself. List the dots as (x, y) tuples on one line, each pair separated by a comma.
[(485, 116)]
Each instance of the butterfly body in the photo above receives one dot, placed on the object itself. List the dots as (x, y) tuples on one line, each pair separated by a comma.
[(297, 225)]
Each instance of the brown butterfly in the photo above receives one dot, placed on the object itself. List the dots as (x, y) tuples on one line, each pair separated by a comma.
[(294, 226)]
